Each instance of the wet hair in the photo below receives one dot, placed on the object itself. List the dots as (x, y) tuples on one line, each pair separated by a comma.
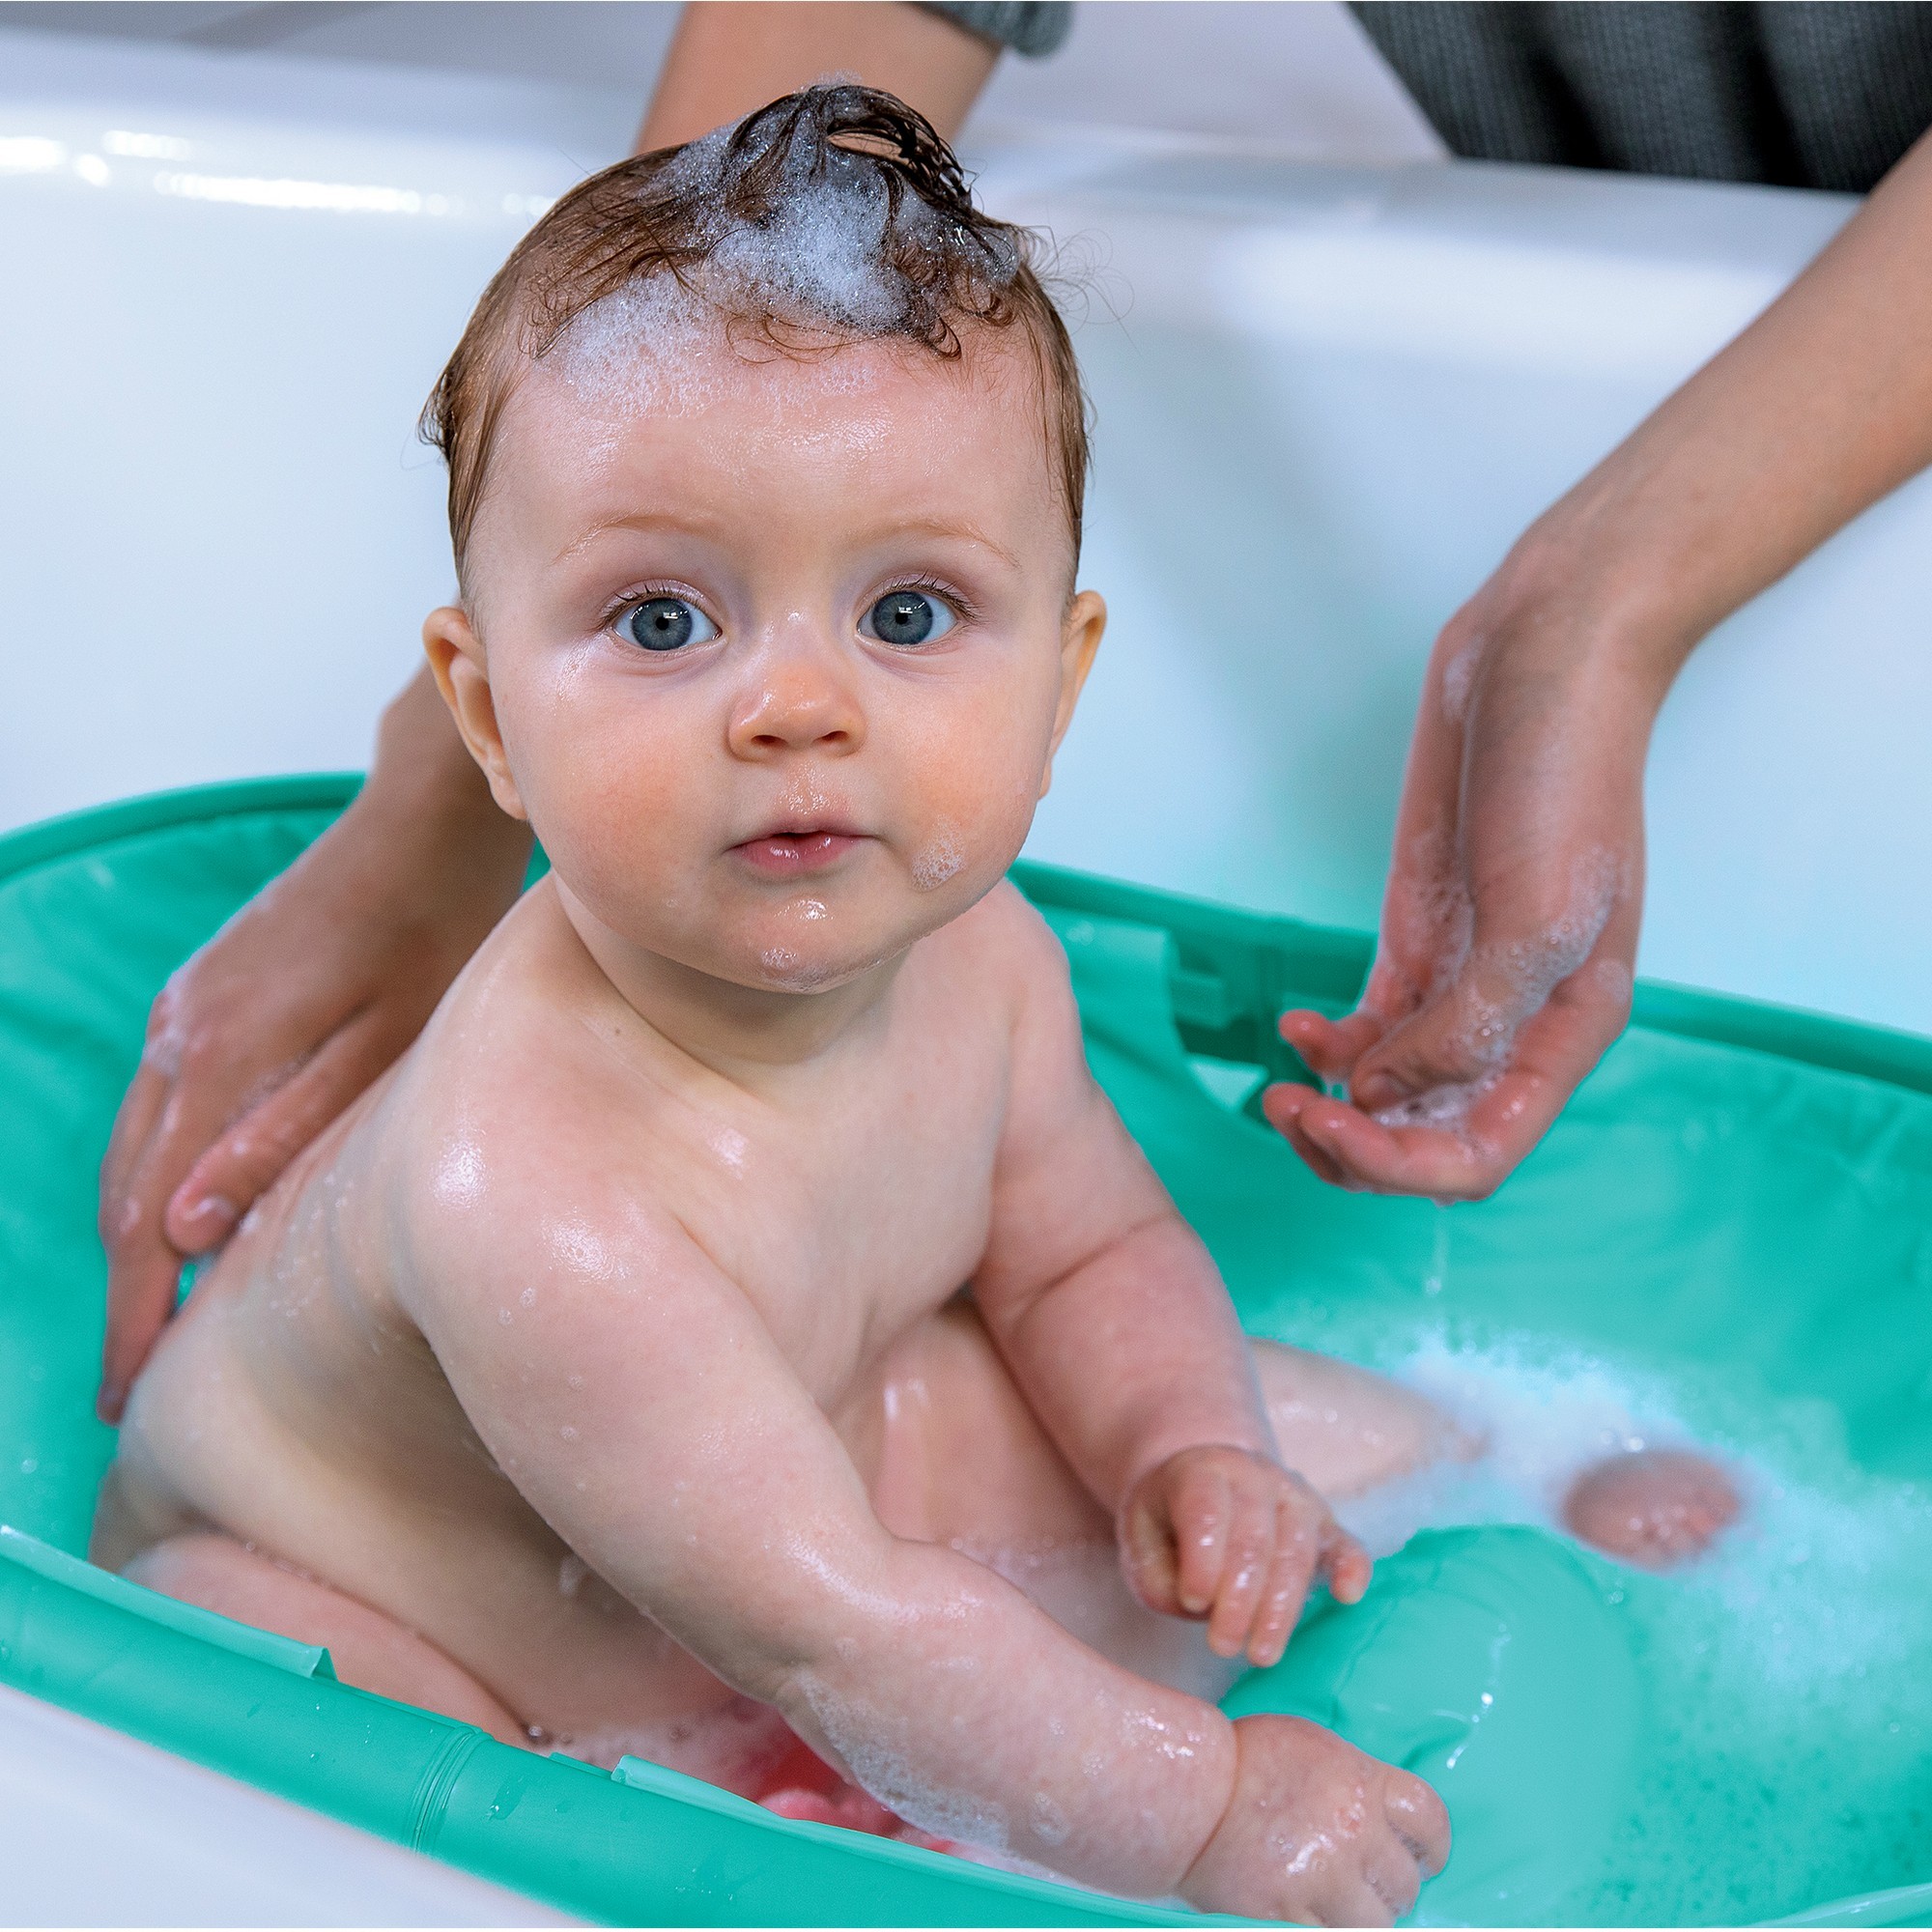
[(833, 215)]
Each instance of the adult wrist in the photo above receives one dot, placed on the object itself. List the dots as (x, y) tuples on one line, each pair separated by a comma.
[(1608, 613), (423, 781)]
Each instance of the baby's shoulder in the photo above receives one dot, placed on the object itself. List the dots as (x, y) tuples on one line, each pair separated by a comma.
[(1005, 949), (1004, 941), (517, 1107)]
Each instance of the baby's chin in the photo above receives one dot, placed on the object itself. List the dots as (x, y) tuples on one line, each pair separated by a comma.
[(829, 946)]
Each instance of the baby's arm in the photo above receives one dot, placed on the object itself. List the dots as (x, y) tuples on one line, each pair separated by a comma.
[(1114, 1320), (637, 1401)]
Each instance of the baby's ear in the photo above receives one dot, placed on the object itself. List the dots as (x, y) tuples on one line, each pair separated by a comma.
[(463, 675), (1079, 639)]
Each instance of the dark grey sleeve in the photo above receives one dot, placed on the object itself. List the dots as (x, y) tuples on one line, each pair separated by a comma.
[(1032, 27)]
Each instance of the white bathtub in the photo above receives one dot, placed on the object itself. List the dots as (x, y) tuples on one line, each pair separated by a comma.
[(1334, 399)]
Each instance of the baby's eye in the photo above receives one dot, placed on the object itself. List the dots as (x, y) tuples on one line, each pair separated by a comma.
[(665, 624), (909, 617)]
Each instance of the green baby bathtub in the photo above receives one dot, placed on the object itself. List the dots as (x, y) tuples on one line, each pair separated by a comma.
[(1731, 1226)]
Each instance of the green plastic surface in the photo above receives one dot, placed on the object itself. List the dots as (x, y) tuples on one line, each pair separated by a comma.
[(1737, 1207), (1489, 1662)]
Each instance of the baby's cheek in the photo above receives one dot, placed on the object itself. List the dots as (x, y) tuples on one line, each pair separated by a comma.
[(621, 823)]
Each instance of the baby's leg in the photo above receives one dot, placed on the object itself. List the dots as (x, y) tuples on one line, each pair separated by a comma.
[(369, 1650), (1346, 1431), (953, 1454)]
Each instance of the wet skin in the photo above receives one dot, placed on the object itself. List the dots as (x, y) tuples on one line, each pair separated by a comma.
[(603, 1374)]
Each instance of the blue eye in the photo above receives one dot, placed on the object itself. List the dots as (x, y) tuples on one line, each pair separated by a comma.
[(666, 624), (907, 618)]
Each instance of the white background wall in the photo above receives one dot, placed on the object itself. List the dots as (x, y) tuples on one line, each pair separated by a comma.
[(1333, 397)]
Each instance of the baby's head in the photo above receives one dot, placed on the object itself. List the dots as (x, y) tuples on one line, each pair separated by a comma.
[(766, 460)]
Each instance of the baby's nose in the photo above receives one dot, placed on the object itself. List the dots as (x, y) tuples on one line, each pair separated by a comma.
[(800, 699)]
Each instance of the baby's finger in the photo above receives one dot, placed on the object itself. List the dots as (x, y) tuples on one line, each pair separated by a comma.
[(1289, 1578), (1244, 1574), (1419, 1820), (1148, 1554), (1351, 1901), (1203, 1509), (1346, 1565)]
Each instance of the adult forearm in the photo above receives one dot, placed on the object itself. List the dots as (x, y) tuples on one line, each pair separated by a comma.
[(1816, 411), (425, 794), (731, 56)]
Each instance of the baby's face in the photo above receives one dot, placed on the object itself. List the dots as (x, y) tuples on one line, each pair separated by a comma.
[(778, 678)]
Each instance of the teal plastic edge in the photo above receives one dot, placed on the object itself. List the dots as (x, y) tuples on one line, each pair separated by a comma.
[(49, 838), (641, 1774), (1331, 963), (617, 1851), (303, 1660), (1327, 963), (1901, 1905)]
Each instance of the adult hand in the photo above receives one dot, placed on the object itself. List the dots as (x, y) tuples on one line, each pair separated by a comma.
[(292, 1009), (1510, 923), (1511, 919)]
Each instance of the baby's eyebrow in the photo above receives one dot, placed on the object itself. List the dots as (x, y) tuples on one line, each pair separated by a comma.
[(954, 532), (641, 520)]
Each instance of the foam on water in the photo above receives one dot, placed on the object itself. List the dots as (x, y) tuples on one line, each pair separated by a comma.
[(1787, 1669)]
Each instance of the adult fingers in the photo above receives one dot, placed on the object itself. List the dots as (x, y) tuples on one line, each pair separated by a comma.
[(134, 1124), (245, 1161), (143, 1266), (1284, 1106), (1330, 1047), (142, 1280), (1344, 1145)]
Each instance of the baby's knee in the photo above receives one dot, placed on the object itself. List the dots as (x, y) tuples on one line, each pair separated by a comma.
[(1346, 1429), (1655, 1508)]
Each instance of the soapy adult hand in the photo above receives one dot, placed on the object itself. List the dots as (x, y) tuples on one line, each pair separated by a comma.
[(292, 1009), (1226, 1535), (1511, 918), (1318, 1833), (1510, 923)]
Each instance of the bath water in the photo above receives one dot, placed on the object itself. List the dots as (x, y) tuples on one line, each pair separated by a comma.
[(1788, 1672)]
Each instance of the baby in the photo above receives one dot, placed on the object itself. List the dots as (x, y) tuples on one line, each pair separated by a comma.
[(742, 1279)]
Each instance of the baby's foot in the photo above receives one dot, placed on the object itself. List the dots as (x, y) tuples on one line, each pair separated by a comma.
[(1317, 1832), (1656, 1508)]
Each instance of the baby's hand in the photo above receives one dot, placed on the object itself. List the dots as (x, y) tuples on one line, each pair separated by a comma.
[(1233, 1536), (1317, 1832)]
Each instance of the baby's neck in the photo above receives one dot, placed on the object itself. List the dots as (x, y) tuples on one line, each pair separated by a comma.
[(747, 1033)]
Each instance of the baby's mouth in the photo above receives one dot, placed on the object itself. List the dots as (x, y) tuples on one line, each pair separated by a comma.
[(791, 855)]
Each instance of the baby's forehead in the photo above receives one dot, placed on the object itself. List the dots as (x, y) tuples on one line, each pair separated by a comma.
[(620, 392)]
